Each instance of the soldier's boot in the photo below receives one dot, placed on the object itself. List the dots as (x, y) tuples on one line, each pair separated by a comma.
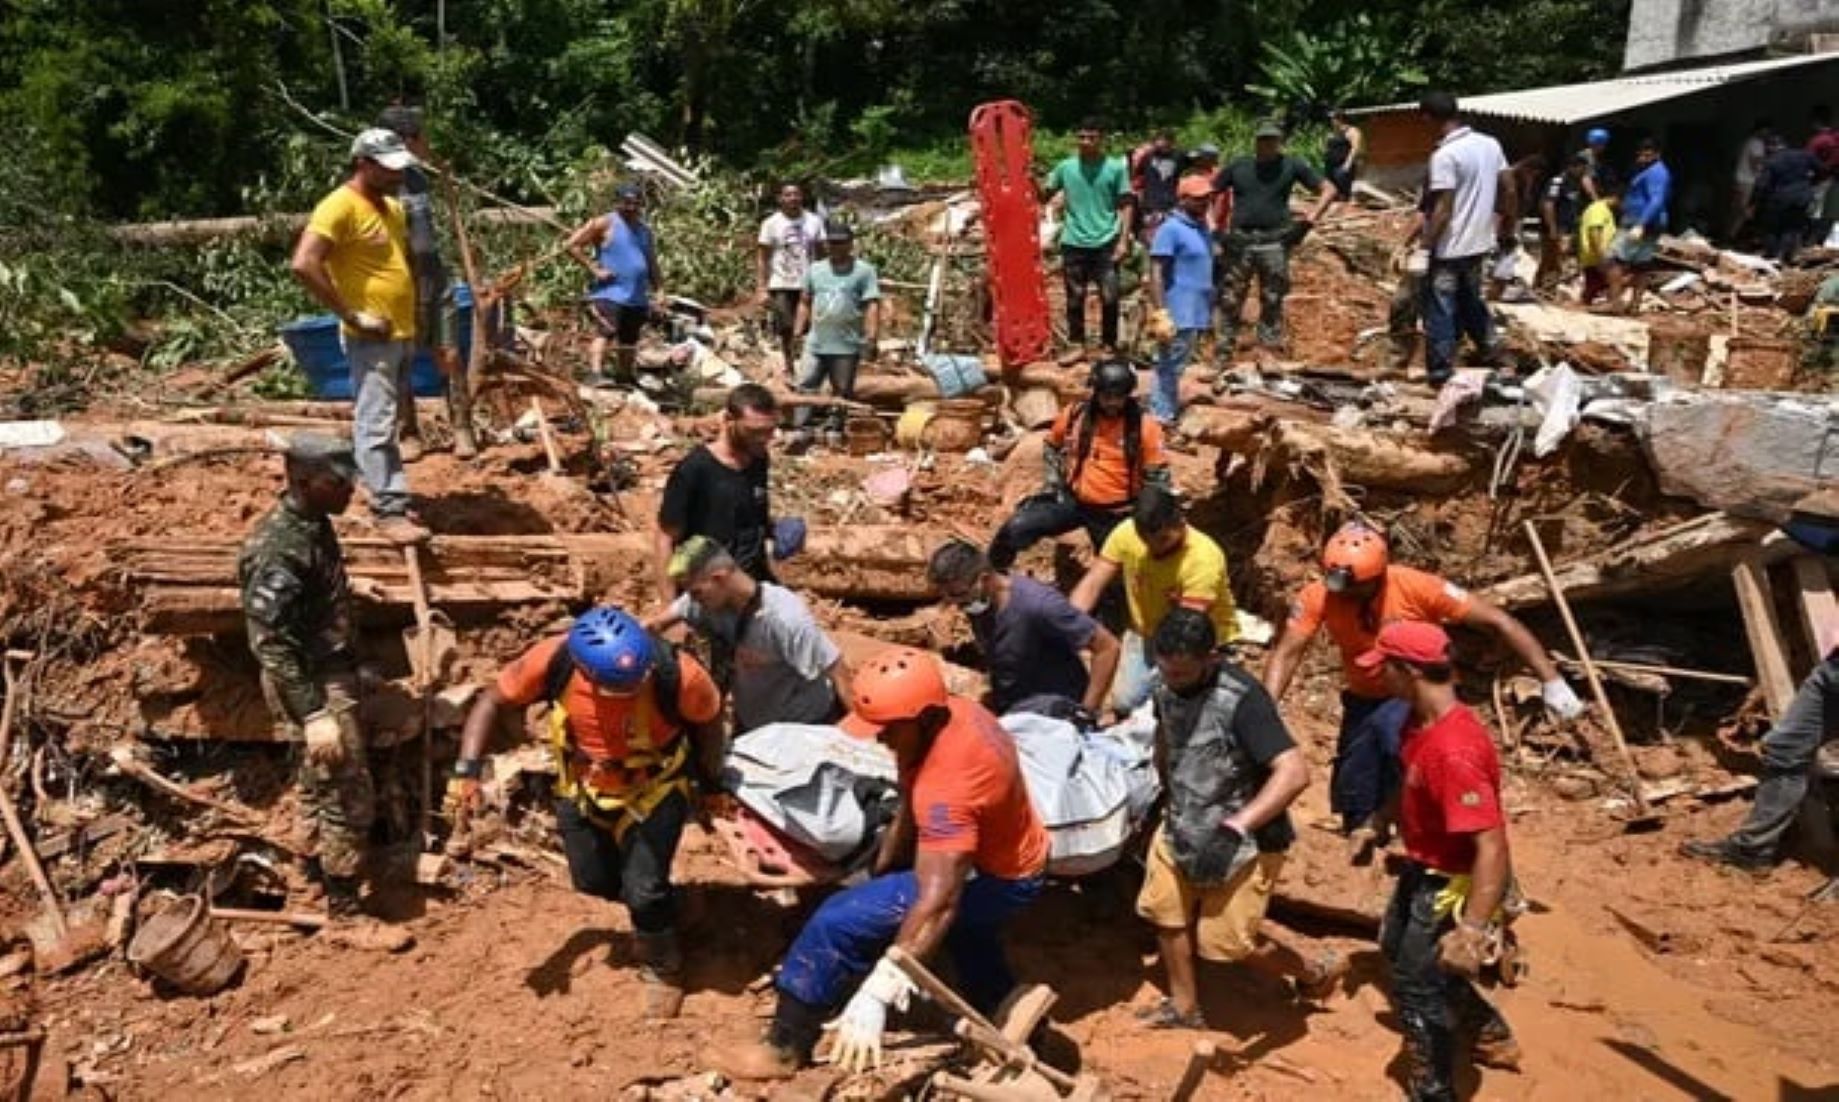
[(350, 928), (661, 970)]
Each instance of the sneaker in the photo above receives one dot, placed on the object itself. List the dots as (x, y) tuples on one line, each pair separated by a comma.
[(410, 448), (1164, 1015), (368, 934), (1722, 851), (399, 529)]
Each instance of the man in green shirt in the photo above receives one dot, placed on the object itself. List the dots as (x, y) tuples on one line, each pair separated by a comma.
[(1094, 192), (838, 315), (1261, 234)]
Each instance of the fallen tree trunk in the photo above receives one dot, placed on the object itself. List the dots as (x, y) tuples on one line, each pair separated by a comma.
[(1361, 457), (1702, 546), (188, 587), (198, 231)]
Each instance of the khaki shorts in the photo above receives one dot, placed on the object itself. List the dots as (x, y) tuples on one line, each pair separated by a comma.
[(1225, 918)]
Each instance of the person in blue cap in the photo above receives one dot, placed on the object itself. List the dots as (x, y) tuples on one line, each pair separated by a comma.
[(1599, 176), (635, 726)]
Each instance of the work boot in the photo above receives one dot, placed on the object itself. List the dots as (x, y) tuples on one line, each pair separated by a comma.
[(1495, 1047), (348, 927), (661, 970), (465, 446), (1722, 851), (787, 1046), (410, 447), (399, 528)]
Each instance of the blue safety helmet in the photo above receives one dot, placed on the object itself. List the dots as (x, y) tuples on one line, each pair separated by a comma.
[(611, 648), (1596, 136)]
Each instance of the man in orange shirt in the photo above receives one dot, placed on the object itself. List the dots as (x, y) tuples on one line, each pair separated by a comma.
[(964, 810), (1360, 593), (631, 722), (1099, 455)]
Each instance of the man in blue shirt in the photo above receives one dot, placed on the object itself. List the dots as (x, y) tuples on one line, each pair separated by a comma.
[(1181, 284), (618, 251), (1644, 219)]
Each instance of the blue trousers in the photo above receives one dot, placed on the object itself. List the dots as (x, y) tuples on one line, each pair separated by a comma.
[(1366, 768), (1165, 399), (852, 929), (1453, 305)]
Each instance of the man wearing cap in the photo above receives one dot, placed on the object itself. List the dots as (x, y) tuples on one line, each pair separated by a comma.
[(634, 726), (1165, 563), (1260, 234), (1600, 175), (1097, 457), (965, 853), (1204, 162), (1231, 772), (1446, 913), (838, 316), (353, 257), (1033, 640), (1361, 591), (436, 318), (1180, 287), (296, 609), (621, 256), (1094, 190), (766, 648)]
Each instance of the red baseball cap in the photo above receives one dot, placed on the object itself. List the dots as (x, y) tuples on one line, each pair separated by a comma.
[(1411, 641)]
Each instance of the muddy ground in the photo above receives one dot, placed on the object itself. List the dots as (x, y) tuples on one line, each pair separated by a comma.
[(1652, 976)]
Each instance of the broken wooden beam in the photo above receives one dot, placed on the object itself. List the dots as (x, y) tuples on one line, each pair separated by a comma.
[(1359, 457), (1659, 561)]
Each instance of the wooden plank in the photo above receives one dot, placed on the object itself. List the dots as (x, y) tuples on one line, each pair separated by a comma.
[(1700, 547), (1819, 608), (1751, 579)]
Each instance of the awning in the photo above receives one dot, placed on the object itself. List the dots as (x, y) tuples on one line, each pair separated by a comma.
[(1567, 104)]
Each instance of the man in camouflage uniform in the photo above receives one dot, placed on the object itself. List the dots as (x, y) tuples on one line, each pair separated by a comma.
[(296, 603)]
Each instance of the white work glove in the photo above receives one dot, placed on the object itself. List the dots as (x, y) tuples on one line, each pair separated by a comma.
[(1637, 233), (857, 1047), (324, 744), (1560, 700), (1417, 262)]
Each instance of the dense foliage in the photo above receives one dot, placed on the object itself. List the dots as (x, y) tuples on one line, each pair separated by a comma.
[(153, 108)]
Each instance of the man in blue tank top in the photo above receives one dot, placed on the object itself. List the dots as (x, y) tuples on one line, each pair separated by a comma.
[(619, 253)]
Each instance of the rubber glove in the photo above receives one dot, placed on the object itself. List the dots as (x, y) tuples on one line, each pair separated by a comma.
[(324, 742), (788, 537), (1560, 699), (1637, 234), (461, 799), (1417, 262), (859, 1028)]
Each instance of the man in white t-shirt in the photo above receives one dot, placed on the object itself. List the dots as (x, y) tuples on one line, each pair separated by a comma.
[(1743, 177), (1474, 207), (790, 242)]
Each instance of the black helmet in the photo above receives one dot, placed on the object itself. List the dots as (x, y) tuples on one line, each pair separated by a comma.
[(1114, 377)]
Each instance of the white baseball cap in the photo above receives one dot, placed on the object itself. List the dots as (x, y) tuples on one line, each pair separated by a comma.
[(384, 147)]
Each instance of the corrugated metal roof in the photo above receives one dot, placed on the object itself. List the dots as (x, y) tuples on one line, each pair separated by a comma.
[(1574, 103)]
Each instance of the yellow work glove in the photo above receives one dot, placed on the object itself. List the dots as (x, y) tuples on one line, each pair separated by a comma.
[(1161, 326), (461, 799), (325, 743)]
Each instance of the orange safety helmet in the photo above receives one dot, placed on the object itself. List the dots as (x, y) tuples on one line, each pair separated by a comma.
[(1355, 554), (898, 683)]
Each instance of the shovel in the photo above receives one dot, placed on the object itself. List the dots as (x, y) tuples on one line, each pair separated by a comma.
[(1645, 817), (430, 645)]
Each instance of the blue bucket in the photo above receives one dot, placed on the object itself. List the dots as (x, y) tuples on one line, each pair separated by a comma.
[(316, 346)]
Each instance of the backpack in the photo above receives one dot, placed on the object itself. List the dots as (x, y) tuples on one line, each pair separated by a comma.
[(666, 674)]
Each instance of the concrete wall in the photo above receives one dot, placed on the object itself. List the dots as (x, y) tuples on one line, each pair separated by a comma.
[(1663, 32)]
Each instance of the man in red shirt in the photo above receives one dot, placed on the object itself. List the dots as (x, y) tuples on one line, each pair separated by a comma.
[(1457, 870), (964, 810), (631, 722)]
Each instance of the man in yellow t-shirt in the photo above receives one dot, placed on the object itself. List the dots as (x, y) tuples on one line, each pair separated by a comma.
[(1595, 230), (354, 258), (1165, 564)]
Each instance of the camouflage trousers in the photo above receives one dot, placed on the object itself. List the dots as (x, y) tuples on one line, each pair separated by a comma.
[(1244, 258), (338, 803)]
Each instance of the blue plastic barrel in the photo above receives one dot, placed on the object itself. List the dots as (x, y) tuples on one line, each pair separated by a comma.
[(317, 347)]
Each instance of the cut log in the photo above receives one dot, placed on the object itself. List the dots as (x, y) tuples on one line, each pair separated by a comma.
[(188, 586), (1359, 457), (1663, 560)]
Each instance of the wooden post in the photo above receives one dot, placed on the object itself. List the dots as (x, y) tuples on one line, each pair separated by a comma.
[(1751, 580), (1819, 609), (1200, 1061)]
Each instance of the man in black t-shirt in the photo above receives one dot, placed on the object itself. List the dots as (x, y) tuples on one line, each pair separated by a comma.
[(719, 490), (1261, 234), (1155, 169)]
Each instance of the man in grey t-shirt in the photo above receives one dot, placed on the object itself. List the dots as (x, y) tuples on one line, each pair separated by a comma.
[(767, 650)]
